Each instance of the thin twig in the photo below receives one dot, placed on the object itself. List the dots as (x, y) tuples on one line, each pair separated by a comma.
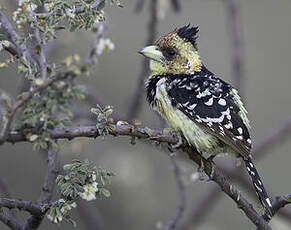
[(38, 46), (136, 103), (21, 205), (16, 49), (176, 5), (10, 221), (182, 201), (9, 117), (52, 171), (280, 202), (7, 216), (4, 192), (100, 30), (41, 54)]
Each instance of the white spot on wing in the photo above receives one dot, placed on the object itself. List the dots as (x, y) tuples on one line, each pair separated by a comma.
[(203, 94), (229, 125), (209, 102), (269, 202), (192, 106), (239, 137), (240, 130), (209, 124), (222, 102), (258, 188)]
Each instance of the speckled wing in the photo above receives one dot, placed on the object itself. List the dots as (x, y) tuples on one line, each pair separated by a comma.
[(214, 106)]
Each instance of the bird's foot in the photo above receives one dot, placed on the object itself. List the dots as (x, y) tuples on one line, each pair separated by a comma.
[(201, 172), (173, 147), (211, 158)]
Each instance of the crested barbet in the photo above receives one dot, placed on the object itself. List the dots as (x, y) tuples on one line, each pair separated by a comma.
[(206, 110)]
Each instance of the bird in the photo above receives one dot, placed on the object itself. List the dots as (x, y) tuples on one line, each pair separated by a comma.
[(207, 111)]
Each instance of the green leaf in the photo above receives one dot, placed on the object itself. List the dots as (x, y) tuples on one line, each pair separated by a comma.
[(105, 192), (148, 131)]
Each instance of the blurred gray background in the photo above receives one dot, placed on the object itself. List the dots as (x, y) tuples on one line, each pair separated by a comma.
[(144, 191)]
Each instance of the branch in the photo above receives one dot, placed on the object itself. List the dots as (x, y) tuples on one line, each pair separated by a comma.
[(92, 132), (217, 176), (6, 216), (260, 149), (10, 221), (9, 118), (21, 205), (41, 56), (281, 202), (152, 31), (52, 171), (100, 30), (182, 202), (176, 5), (10, 33), (124, 129)]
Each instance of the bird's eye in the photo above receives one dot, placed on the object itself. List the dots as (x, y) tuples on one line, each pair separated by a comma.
[(169, 53)]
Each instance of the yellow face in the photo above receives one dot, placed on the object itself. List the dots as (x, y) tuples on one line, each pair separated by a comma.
[(172, 55)]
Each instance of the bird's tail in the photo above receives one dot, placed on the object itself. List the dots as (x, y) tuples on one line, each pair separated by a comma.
[(259, 187)]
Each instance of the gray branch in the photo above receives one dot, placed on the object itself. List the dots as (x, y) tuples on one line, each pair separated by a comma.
[(275, 136), (52, 171), (182, 201), (21, 205), (10, 116), (124, 129), (16, 49)]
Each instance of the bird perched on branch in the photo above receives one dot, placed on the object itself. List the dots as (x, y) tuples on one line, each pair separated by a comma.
[(206, 110)]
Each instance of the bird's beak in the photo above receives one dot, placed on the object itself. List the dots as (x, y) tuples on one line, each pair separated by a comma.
[(153, 52)]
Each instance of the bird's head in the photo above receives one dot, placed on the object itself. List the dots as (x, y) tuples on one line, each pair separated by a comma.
[(174, 53)]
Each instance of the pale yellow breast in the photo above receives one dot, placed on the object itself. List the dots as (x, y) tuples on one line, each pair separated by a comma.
[(180, 122)]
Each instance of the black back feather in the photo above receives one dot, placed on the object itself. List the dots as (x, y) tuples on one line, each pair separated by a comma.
[(189, 34)]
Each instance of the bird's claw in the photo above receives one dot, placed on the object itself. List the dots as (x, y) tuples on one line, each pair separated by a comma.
[(173, 147), (211, 158)]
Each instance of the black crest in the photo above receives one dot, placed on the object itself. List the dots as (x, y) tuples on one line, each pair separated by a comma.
[(189, 33)]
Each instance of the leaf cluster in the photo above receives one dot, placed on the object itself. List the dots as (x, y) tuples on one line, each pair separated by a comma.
[(104, 122), (48, 109)]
